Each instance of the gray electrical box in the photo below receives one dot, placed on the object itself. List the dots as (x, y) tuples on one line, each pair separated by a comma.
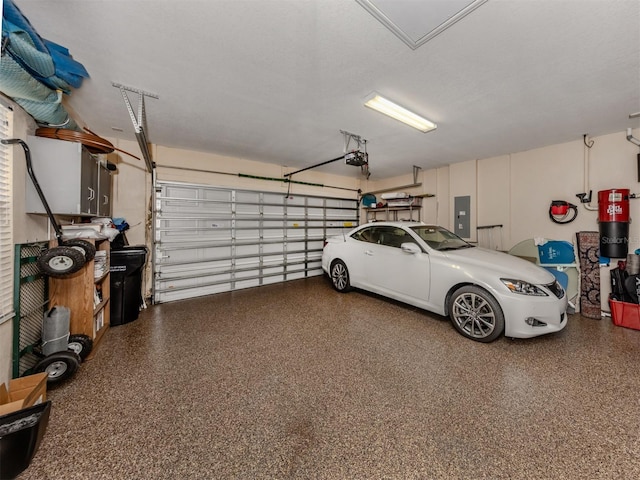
[(462, 216), (72, 179)]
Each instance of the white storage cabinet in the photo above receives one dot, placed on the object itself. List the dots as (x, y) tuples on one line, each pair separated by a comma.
[(72, 179)]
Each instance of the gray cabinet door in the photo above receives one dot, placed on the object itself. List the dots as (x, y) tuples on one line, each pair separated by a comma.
[(104, 191), (88, 184), (67, 174)]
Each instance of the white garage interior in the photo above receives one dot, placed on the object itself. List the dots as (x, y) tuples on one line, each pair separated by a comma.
[(237, 140)]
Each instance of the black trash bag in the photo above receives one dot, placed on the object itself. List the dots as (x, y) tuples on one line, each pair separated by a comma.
[(618, 289), (632, 287)]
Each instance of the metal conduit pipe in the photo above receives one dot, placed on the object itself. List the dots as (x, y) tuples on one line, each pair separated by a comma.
[(631, 138), (258, 177), (586, 156)]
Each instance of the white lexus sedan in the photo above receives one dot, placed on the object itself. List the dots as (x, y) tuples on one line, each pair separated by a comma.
[(484, 292)]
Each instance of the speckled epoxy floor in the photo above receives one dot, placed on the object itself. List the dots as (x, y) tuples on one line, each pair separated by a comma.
[(297, 381)]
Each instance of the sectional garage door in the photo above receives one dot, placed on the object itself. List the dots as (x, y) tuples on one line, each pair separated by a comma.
[(211, 239)]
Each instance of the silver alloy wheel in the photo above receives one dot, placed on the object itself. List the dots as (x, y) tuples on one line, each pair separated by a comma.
[(474, 315), (340, 276), (56, 369)]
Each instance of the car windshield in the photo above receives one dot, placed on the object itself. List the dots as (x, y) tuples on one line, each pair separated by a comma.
[(440, 238)]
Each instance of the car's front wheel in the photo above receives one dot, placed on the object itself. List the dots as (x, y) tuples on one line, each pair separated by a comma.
[(476, 314), (340, 276)]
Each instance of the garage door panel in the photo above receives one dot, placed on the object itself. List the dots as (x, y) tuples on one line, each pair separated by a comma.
[(194, 230), (294, 232), (317, 244), (172, 295), (272, 248), (245, 196), (252, 224), (272, 260), (267, 280), (247, 250), (296, 211), (189, 199), (272, 224), (254, 282), (188, 258), (273, 234), (212, 239), (315, 224), (195, 284), (296, 276), (192, 270)]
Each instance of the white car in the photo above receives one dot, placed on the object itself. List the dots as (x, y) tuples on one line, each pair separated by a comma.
[(485, 293)]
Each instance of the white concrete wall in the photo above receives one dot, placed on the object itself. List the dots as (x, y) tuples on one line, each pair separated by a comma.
[(131, 190), (516, 190), (462, 183), (494, 193), (198, 167)]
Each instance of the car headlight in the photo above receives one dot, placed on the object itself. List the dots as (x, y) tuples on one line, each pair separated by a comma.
[(523, 288)]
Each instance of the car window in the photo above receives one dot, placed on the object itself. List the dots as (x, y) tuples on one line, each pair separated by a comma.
[(395, 237), (370, 235), (440, 238)]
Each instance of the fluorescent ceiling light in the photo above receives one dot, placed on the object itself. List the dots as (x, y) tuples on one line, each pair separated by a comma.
[(382, 105)]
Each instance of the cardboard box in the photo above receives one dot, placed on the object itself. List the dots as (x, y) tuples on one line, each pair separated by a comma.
[(23, 392)]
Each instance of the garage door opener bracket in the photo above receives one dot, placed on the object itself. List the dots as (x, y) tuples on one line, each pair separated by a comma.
[(139, 122), (357, 157)]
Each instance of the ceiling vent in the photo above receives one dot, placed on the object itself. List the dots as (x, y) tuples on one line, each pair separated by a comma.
[(415, 23)]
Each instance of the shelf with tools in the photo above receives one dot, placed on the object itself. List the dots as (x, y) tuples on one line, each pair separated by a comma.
[(393, 213)]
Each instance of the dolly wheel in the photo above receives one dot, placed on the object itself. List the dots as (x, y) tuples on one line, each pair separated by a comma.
[(61, 261), (59, 366), (80, 344), (87, 249)]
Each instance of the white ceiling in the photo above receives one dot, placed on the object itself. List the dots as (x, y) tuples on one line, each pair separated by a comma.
[(276, 80)]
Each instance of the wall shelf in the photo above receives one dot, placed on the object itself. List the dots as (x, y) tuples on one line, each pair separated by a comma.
[(391, 214)]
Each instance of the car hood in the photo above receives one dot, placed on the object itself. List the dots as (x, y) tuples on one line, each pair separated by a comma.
[(503, 264)]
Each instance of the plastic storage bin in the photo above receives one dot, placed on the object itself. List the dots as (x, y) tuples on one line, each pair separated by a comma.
[(127, 265), (625, 314)]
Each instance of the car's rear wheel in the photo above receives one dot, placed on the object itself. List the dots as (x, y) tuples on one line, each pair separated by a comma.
[(476, 314), (340, 276)]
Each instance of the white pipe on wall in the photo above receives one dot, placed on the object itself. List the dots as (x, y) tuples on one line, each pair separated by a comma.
[(631, 138), (586, 150)]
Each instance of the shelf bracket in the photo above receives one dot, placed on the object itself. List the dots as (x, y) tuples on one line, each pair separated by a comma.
[(416, 171), (415, 184)]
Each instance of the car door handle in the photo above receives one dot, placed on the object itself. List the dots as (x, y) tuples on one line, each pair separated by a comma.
[(368, 252)]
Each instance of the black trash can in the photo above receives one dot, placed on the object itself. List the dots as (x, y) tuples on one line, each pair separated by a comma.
[(127, 265), (20, 435)]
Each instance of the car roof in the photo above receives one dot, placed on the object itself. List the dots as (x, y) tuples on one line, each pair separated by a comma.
[(392, 224)]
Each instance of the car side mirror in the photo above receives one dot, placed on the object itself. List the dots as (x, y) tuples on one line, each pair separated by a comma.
[(410, 247)]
